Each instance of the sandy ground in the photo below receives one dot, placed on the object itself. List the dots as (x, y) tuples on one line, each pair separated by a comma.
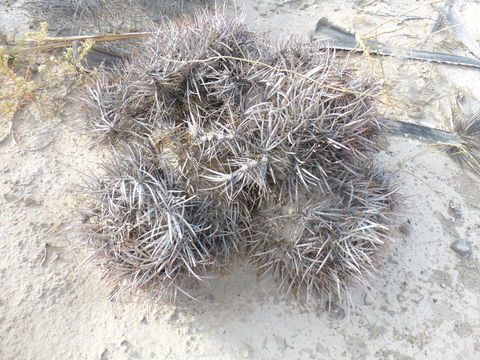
[(424, 303)]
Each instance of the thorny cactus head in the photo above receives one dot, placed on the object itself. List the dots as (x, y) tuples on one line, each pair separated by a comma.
[(323, 241), (254, 148), (467, 152), (148, 232)]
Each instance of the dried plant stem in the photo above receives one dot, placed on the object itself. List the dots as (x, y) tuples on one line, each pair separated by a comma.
[(60, 42)]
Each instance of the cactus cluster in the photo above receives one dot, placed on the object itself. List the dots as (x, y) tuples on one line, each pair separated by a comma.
[(226, 145)]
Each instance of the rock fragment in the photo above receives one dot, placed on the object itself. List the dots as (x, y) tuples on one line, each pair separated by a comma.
[(461, 247)]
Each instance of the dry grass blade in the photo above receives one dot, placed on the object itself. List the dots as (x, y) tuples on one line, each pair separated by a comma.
[(60, 42), (71, 17)]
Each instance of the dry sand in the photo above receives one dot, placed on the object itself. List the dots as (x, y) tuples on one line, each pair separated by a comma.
[(425, 301)]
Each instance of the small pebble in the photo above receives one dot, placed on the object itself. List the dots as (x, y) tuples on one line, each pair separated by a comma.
[(461, 247), (125, 345), (105, 355), (31, 202)]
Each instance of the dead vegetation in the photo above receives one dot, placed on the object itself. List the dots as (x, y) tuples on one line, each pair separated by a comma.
[(36, 81), (82, 17)]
